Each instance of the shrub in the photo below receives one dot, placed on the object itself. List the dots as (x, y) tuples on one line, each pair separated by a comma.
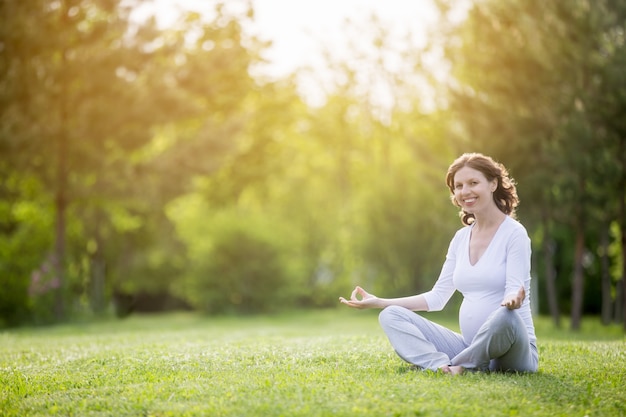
[(242, 270)]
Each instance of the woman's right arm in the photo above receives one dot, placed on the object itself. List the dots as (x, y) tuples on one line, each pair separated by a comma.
[(362, 299), (433, 300)]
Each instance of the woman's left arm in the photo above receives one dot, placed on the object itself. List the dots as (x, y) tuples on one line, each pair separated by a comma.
[(517, 269)]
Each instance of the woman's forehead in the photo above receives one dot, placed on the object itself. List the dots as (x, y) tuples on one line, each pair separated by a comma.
[(467, 173)]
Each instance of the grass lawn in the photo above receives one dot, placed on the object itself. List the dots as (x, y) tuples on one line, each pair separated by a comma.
[(328, 363)]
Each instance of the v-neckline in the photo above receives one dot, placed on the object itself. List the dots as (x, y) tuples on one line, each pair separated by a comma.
[(469, 242)]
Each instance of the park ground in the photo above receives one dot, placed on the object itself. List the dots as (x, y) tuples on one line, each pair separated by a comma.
[(322, 363)]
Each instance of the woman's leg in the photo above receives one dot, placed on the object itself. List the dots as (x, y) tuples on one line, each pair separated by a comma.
[(418, 340), (501, 344)]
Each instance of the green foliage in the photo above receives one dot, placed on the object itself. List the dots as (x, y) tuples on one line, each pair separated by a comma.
[(238, 261), (86, 89), (331, 363), (171, 167), (25, 220)]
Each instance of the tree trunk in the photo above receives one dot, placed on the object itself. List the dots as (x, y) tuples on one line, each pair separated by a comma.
[(578, 281), (622, 221), (607, 300), (98, 268), (61, 186), (624, 273), (619, 302), (98, 281), (623, 233), (549, 247), (59, 245)]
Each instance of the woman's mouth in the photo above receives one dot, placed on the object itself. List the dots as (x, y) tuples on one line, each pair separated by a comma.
[(469, 201)]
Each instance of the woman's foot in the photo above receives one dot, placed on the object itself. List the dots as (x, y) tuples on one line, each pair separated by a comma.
[(452, 370)]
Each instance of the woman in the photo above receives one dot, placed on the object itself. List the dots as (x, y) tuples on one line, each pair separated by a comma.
[(488, 261)]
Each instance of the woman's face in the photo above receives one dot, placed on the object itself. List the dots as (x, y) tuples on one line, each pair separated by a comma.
[(472, 190)]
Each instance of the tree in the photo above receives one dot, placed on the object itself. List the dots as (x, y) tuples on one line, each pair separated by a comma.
[(87, 89)]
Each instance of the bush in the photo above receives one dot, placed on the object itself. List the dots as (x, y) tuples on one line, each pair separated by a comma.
[(240, 268), (25, 235)]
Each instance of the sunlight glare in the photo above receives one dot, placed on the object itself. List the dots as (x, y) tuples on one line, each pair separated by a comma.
[(300, 32)]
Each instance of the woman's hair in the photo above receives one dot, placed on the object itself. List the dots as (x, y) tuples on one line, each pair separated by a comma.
[(505, 195)]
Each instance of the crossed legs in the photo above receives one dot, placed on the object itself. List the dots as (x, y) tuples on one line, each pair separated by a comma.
[(500, 344)]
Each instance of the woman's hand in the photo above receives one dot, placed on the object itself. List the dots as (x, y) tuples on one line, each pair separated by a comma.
[(360, 299), (515, 301)]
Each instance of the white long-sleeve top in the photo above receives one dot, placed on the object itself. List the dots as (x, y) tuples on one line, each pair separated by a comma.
[(502, 269)]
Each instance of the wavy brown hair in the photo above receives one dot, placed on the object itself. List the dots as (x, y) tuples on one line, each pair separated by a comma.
[(505, 195)]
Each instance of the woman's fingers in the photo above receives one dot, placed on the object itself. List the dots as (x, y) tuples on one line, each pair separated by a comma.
[(355, 292), (359, 294), (354, 300), (515, 301), (358, 299)]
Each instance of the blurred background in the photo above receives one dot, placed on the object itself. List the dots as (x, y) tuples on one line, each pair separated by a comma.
[(258, 156)]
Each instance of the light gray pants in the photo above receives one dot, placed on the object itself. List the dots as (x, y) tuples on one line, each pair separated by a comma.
[(501, 343)]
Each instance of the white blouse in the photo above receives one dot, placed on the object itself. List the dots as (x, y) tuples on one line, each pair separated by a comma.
[(502, 269)]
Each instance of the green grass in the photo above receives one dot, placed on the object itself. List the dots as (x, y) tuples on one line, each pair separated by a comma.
[(330, 363)]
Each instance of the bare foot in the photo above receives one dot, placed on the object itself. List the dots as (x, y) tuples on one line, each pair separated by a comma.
[(452, 370)]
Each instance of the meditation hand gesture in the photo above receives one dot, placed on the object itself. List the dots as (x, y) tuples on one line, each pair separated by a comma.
[(514, 302), (366, 300)]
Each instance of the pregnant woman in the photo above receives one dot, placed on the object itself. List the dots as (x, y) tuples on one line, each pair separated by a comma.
[(488, 262)]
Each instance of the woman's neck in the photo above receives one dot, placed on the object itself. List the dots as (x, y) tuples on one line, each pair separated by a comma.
[(488, 221)]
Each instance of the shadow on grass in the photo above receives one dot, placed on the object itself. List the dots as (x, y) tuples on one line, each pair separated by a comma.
[(518, 392), (545, 387)]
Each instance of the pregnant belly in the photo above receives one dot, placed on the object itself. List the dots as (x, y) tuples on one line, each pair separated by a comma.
[(472, 315)]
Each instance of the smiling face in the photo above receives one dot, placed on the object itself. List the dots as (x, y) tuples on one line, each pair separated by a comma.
[(473, 192)]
